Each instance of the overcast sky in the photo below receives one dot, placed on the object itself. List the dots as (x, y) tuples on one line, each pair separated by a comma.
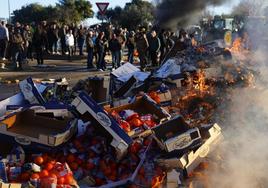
[(17, 4)]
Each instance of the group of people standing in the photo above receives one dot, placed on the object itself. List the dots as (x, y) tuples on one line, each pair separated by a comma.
[(19, 42)]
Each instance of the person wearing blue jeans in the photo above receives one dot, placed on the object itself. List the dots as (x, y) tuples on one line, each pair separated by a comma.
[(90, 48)]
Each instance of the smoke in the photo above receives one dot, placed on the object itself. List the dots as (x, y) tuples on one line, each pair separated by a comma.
[(243, 154), (171, 13)]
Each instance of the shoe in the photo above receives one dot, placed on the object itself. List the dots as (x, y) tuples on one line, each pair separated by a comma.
[(4, 59), (100, 70)]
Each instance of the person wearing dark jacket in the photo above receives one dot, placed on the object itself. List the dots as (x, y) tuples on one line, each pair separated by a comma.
[(62, 35), (55, 38), (142, 47), (39, 43), (27, 36), (131, 46), (90, 49), (115, 47), (81, 39), (16, 45), (100, 50), (154, 47)]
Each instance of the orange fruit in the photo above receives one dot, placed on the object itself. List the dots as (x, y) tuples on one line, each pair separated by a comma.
[(49, 166), (55, 172), (69, 180), (39, 160), (35, 176), (45, 157), (44, 173)]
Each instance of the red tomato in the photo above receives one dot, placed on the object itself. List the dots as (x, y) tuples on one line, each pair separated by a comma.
[(133, 116), (136, 122), (125, 125)]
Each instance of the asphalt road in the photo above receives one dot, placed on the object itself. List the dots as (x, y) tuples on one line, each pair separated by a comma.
[(53, 68)]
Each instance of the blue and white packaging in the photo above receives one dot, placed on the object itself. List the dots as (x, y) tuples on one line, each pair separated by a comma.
[(17, 100), (30, 92), (85, 104)]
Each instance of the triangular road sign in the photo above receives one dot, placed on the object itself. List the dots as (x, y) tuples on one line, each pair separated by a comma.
[(102, 7)]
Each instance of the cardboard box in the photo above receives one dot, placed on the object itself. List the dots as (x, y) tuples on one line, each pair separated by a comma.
[(10, 185), (144, 105), (35, 132), (176, 135), (165, 98), (191, 160), (30, 92), (17, 99), (130, 179), (87, 109), (125, 90), (55, 110)]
